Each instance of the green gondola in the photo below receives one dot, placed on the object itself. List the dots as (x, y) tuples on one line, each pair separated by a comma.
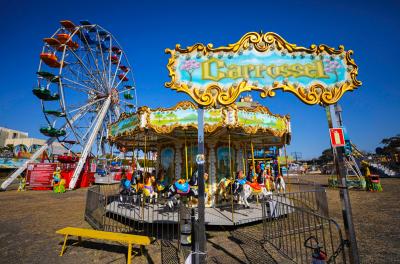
[(128, 96), (130, 105), (46, 75), (45, 94), (54, 113), (56, 79), (49, 76), (52, 132)]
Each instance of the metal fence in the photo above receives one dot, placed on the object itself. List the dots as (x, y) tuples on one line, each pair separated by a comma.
[(109, 211), (296, 228), (308, 196), (94, 209), (295, 223)]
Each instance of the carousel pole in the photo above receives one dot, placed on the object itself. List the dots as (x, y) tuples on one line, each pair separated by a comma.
[(277, 161), (231, 175), (200, 254), (186, 159), (287, 165), (191, 158), (244, 158), (252, 158), (133, 161), (144, 170)]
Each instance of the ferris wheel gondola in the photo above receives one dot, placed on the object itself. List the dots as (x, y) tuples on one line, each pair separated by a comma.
[(84, 82)]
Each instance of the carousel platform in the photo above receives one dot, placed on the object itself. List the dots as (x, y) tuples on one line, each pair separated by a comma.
[(217, 216)]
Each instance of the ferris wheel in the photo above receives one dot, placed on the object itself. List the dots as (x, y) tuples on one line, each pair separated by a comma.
[(84, 82)]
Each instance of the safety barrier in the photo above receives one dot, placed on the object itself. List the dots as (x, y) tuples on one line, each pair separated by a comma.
[(307, 195), (295, 223), (108, 211), (94, 209), (299, 232)]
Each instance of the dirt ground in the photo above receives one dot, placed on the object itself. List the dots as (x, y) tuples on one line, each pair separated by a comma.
[(28, 222)]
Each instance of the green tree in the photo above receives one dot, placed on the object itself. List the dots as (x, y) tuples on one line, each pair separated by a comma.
[(326, 157), (390, 149)]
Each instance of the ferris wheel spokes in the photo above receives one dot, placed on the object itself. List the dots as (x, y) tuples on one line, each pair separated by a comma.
[(87, 105), (87, 70)]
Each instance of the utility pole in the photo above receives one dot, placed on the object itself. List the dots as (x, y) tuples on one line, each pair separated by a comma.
[(344, 193), (296, 155)]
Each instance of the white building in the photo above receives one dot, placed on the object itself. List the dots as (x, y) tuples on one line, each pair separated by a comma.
[(22, 144), (7, 133)]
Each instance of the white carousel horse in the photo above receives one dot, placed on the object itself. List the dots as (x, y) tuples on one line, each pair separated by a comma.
[(280, 184), (250, 189)]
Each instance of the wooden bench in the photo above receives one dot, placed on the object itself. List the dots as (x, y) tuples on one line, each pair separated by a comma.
[(103, 235)]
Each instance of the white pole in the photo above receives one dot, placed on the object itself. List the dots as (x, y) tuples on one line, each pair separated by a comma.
[(35, 155), (21, 169), (89, 144)]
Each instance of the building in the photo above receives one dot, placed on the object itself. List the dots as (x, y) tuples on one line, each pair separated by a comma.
[(23, 145), (7, 133)]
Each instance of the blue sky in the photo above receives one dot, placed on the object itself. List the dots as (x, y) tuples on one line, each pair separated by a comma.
[(146, 28)]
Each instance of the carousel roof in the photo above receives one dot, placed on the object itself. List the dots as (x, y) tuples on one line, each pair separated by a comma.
[(239, 122)]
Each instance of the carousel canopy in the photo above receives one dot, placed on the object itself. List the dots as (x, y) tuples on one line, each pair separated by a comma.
[(152, 127)]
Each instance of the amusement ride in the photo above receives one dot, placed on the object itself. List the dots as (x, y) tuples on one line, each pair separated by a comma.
[(84, 82)]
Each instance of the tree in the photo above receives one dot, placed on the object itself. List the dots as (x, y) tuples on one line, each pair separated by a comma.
[(326, 156), (7, 151), (391, 148), (379, 151)]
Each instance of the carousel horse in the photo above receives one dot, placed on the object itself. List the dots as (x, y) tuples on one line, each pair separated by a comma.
[(148, 189), (280, 184), (250, 189), (209, 195), (223, 189), (126, 192), (269, 183), (161, 184), (182, 188)]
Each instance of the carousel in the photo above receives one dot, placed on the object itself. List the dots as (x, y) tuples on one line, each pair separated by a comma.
[(242, 142)]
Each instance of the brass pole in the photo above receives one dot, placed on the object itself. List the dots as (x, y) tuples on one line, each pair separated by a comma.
[(279, 165), (252, 157), (244, 159), (144, 171), (186, 159), (191, 158), (230, 173), (287, 166)]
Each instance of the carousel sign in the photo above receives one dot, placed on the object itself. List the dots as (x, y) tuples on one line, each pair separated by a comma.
[(264, 63)]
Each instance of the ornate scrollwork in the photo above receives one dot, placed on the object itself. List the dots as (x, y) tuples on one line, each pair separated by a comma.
[(213, 93)]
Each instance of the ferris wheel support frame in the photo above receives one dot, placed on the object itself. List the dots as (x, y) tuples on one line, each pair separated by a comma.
[(100, 117), (21, 169), (35, 155)]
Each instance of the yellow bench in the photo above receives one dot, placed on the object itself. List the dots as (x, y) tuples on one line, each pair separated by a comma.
[(103, 235)]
